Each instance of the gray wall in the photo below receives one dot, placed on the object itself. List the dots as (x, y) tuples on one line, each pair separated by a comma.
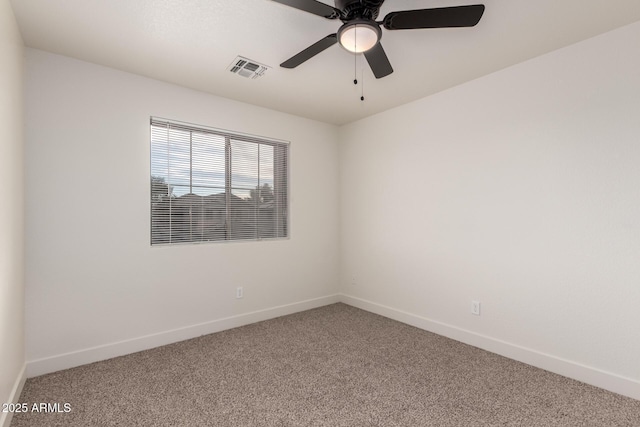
[(95, 286), (12, 358), (519, 190)]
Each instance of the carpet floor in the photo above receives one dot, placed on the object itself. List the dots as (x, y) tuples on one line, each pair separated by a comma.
[(331, 366)]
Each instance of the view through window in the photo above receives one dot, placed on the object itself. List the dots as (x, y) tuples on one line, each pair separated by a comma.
[(212, 185)]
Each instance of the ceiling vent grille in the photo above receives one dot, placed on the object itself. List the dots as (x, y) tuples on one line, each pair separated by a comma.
[(247, 68)]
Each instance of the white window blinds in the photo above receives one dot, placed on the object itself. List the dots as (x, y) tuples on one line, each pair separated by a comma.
[(212, 185)]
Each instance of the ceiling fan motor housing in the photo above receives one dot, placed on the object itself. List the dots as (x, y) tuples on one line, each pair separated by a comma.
[(354, 9)]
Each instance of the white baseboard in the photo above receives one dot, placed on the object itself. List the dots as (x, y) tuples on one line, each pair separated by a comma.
[(108, 351), (6, 417), (596, 377)]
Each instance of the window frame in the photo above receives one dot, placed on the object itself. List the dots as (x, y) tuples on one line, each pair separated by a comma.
[(281, 182)]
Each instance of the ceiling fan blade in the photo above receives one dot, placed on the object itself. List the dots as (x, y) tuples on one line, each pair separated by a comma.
[(312, 6), (378, 61), (310, 52), (442, 17)]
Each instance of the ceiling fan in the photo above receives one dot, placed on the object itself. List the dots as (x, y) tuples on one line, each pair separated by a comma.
[(361, 33)]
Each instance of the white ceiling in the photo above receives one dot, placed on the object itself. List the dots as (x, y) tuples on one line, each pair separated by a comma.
[(192, 43)]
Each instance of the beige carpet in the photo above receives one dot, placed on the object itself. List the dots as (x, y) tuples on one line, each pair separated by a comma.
[(332, 366)]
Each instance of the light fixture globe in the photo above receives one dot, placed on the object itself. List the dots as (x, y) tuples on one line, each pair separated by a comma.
[(359, 35)]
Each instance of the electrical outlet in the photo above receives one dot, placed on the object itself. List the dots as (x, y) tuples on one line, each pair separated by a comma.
[(475, 308), (239, 292)]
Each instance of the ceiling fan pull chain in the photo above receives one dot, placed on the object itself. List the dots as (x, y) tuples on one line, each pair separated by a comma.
[(355, 59), (362, 86), (355, 69)]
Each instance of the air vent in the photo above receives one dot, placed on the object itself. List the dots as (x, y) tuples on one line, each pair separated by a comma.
[(248, 68)]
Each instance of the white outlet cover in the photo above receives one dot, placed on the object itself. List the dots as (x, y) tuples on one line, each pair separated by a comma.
[(475, 308)]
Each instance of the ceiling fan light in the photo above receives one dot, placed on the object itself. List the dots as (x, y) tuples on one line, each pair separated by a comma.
[(358, 37)]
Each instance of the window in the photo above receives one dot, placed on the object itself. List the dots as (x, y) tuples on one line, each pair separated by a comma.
[(211, 185)]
